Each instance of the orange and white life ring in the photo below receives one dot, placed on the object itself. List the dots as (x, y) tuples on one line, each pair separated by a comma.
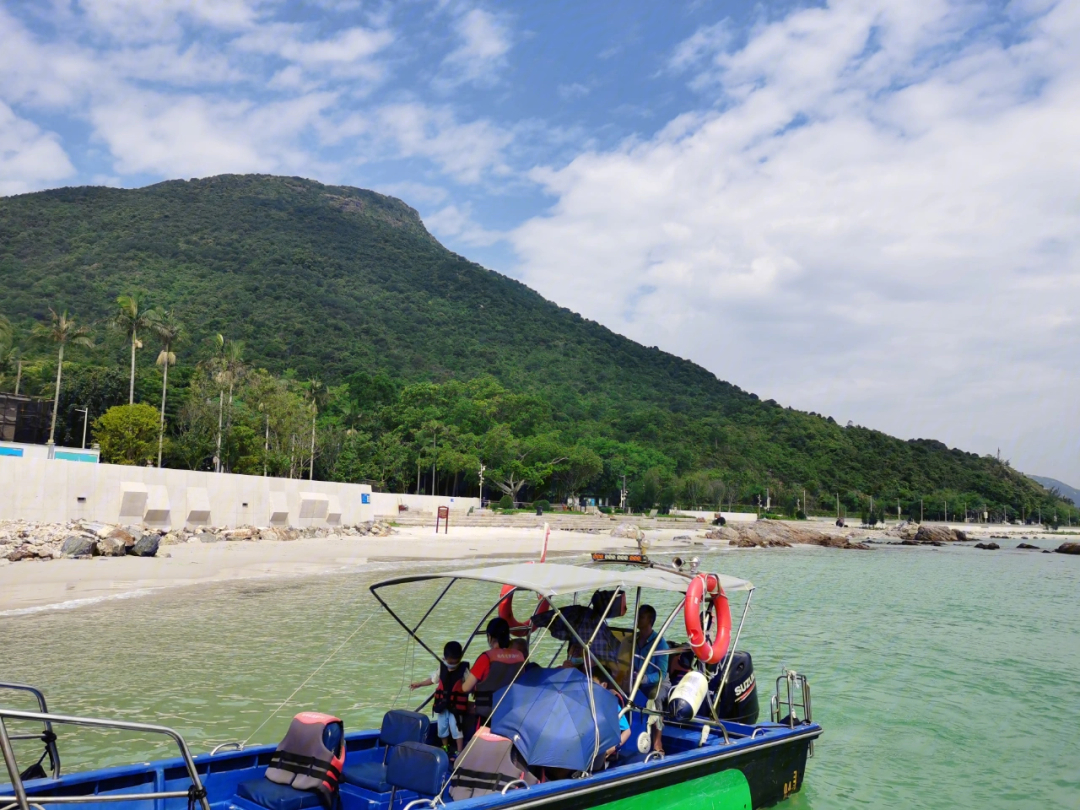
[(506, 611), (701, 587)]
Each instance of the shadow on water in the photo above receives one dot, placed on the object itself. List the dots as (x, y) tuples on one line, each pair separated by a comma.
[(943, 677)]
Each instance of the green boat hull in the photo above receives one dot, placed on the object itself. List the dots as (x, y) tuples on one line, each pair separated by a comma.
[(727, 790)]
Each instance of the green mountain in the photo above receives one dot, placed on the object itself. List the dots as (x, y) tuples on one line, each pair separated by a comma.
[(346, 284)]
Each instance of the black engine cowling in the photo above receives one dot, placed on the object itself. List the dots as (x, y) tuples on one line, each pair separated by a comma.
[(739, 701)]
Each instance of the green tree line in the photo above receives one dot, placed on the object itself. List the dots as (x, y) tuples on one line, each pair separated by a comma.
[(305, 303)]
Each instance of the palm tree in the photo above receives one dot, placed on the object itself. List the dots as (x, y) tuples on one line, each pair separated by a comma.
[(61, 330), (314, 390), (130, 318), (228, 368), (169, 332)]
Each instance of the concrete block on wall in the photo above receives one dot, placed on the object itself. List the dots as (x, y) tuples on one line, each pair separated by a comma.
[(133, 497), (157, 505), (279, 509), (333, 511), (314, 505), (197, 506)]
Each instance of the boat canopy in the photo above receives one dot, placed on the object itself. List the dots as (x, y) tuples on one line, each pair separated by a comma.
[(553, 579)]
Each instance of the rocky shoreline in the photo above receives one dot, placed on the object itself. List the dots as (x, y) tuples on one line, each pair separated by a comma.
[(22, 540), (784, 534)]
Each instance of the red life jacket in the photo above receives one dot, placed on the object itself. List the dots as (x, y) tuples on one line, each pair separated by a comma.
[(448, 694), (304, 760), (503, 666)]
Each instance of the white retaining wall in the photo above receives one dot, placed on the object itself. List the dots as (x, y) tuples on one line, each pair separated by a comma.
[(385, 504), (55, 491)]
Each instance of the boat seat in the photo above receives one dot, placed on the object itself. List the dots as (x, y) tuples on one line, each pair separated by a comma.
[(398, 727), (273, 796), (417, 767)]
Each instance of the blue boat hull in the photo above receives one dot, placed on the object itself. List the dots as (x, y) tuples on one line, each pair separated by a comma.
[(772, 764)]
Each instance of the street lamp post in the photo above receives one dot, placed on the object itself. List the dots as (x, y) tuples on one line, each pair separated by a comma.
[(86, 418)]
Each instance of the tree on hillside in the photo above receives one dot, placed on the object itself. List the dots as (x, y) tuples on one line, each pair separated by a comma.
[(11, 353), (514, 461), (126, 434), (61, 330), (131, 317), (573, 473), (169, 332)]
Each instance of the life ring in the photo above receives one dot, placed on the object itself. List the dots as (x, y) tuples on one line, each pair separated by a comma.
[(702, 586), (506, 611)]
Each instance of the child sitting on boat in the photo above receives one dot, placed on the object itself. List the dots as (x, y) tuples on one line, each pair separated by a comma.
[(450, 702)]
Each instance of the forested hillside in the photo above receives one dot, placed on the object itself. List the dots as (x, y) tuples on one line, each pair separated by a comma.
[(419, 358)]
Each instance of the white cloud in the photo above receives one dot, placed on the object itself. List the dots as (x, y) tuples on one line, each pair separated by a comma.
[(879, 221), (348, 53), (465, 151), (146, 20), (484, 43), (28, 156), (456, 222), (192, 136)]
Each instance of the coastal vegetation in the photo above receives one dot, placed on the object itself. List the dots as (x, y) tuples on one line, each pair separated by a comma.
[(310, 330)]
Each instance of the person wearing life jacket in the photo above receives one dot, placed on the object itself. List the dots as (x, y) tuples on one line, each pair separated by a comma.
[(450, 703), (495, 668), (311, 756)]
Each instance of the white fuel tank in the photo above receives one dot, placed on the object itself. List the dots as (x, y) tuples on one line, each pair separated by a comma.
[(686, 698)]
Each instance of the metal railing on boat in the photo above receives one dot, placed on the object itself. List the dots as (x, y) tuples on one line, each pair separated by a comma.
[(47, 736), (20, 800)]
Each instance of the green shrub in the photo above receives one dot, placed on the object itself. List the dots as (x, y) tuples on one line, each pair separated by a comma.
[(607, 510), (542, 505), (127, 434), (506, 502)]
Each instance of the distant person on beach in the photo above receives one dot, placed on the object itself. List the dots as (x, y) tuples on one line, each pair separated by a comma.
[(450, 702)]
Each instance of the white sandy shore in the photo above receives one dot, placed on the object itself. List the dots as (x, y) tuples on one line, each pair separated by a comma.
[(29, 586)]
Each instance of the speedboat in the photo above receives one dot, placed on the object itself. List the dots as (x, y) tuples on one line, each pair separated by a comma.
[(548, 740)]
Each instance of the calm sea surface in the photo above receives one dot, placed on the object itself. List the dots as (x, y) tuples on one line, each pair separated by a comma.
[(943, 677)]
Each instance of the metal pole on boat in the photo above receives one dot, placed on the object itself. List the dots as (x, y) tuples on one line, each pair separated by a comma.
[(734, 644), (633, 643), (652, 651), (13, 767)]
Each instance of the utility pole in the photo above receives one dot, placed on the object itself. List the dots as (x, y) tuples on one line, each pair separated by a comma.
[(482, 468), (266, 445), (311, 470), (622, 494), (434, 450), (804, 500), (220, 413), (86, 418), (897, 510)]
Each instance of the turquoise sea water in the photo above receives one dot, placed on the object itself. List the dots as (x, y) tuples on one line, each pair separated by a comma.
[(944, 678)]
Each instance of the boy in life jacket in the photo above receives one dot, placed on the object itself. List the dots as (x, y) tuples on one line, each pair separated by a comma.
[(450, 702)]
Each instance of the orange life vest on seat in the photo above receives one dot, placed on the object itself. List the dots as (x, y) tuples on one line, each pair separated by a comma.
[(311, 756)]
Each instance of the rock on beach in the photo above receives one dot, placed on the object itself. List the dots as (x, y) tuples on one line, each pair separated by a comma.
[(22, 540), (777, 534), (1068, 548)]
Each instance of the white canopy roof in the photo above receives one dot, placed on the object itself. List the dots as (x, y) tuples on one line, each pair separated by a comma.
[(555, 579)]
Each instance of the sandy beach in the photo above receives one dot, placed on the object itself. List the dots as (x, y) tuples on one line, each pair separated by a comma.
[(29, 586)]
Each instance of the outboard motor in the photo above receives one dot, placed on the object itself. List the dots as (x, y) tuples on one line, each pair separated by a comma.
[(739, 701)]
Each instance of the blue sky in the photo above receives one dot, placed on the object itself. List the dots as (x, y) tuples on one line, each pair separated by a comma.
[(862, 208)]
